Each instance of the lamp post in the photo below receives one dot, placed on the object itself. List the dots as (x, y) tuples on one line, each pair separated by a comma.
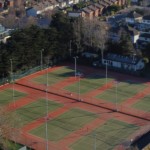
[(12, 80), (46, 117), (42, 58), (75, 65), (106, 73), (79, 88), (116, 82)]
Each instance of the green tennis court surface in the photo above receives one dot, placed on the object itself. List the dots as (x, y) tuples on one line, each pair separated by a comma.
[(123, 91), (54, 76), (106, 136), (143, 104), (35, 110), (6, 96), (66, 123), (87, 84)]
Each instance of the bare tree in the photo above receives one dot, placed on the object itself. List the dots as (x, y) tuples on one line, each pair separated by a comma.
[(95, 34), (92, 33)]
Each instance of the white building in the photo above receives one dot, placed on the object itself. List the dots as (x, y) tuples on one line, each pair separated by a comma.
[(123, 62)]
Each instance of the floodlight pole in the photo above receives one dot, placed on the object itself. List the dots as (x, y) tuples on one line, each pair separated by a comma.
[(106, 73), (79, 89), (46, 117), (116, 95), (75, 65), (42, 59), (12, 80)]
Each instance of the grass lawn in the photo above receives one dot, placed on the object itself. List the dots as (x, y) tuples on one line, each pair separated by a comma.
[(143, 104), (106, 137), (35, 110), (6, 96), (66, 123), (55, 76), (124, 90), (87, 84)]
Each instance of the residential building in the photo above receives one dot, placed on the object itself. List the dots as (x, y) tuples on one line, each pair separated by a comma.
[(62, 3), (41, 7), (74, 14), (4, 33), (95, 9), (133, 18), (144, 39), (116, 32), (100, 8), (87, 13), (129, 63)]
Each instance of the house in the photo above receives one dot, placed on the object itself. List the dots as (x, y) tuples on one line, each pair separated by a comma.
[(100, 8), (11, 3), (87, 13), (129, 63), (89, 55), (103, 3), (31, 12), (41, 7), (108, 2), (134, 1), (70, 2), (143, 40), (4, 33), (114, 2), (74, 14), (134, 34), (95, 9), (133, 18), (116, 32), (145, 24), (76, 1), (121, 2), (145, 37), (62, 3), (1, 4)]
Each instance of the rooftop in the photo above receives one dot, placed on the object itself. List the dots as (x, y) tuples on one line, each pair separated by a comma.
[(125, 59), (98, 5), (146, 35), (92, 7), (134, 15), (87, 10), (146, 17)]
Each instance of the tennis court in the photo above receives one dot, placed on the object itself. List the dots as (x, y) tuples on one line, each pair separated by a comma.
[(143, 104), (122, 91), (55, 76), (6, 96), (106, 136), (36, 110), (69, 118), (87, 84), (66, 123)]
